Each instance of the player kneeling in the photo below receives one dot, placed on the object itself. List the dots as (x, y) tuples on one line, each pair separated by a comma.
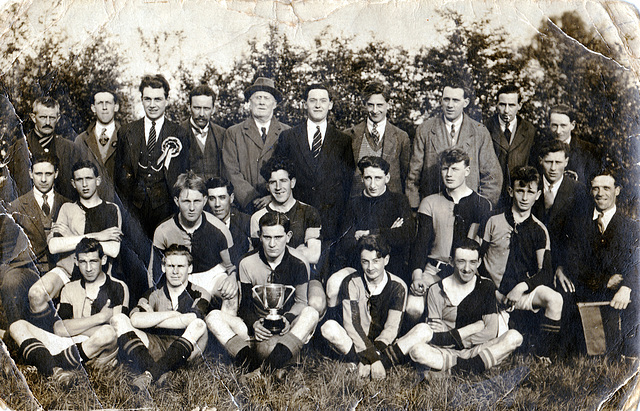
[(373, 302), (265, 273), (172, 320), (462, 330)]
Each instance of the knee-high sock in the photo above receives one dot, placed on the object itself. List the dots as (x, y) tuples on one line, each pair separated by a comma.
[(550, 337), (393, 355), (288, 346), (474, 365), (175, 357), (45, 318), (71, 357), (241, 351), (136, 352), (35, 353)]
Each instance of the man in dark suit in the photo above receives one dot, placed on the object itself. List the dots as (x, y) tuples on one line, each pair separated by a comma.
[(152, 154), (43, 139), (452, 128), (250, 144), (512, 137), (603, 259), (205, 137), (584, 157), (378, 137), (100, 140), (220, 199), (38, 209), (323, 161)]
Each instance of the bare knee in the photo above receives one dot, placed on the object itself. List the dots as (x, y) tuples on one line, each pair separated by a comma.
[(419, 352), (415, 306), (38, 296), (18, 328), (197, 327), (121, 324), (513, 339), (423, 331), (105, 336), (213, 318), (330, 330), (317, 298)]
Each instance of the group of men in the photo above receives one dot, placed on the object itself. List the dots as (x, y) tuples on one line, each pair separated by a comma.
[(396, 251)]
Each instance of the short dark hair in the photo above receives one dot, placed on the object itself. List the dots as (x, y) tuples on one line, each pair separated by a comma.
[(216, 182), (177, 249), (45, 158), (155, 81), (46, 101), (315, 86), (277, 163), (553, 146), (373, 161), (272, 218), (509, 89), (525, 175), (454, 155), (465, 244), (607, 170), (373, 242), (189, 181), (202, 90), (89, 245), (79, 165), (102, 89), (375, 87), (563, 109), (457, 82)]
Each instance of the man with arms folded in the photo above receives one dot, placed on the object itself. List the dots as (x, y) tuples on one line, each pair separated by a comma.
[(244, 336), (373, 302), (206, 237), (83, 333), (461, 332), (453, 128), (444, 220), (166, 329), (89, 217)]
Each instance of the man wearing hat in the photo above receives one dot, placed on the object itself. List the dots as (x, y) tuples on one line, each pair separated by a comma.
[(250, 144)]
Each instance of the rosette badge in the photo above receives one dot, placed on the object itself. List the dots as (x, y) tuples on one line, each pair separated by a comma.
[(171, 148)]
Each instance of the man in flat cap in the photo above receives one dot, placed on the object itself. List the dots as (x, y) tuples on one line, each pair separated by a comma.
[(250, 144)]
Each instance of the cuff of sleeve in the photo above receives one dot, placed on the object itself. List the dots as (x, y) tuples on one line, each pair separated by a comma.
[(369, 356), (290, 317), (380, 345)]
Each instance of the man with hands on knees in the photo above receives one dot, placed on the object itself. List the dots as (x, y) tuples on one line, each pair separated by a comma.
[(245, 336), (373, 302)]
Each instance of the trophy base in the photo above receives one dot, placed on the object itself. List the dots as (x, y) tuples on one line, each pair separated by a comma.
[(275, 326)]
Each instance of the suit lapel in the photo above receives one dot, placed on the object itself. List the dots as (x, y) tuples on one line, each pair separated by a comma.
[(518, 138), (303, 145), (389, 142), (252, 133), (498, 135), (34, 211), (466, 134), (439, 139), (111, 149), (358, 135)]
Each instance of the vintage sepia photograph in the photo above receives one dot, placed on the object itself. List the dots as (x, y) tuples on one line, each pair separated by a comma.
[(319, 204)]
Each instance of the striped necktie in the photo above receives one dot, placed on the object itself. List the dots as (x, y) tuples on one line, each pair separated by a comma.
[(151, 144), (317, 143)]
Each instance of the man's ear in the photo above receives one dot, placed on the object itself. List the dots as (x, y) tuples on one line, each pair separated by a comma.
[(467, 171), (510, 191), (116, 108), (190, 268), (103, 260), (175, 200), (387, 177), (386, 260), (93, 108), (98, 181), (232, 198), (293, 182), (466, 102), (32, 116), (289, 235)]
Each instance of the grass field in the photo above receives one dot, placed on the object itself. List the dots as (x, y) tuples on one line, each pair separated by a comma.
[(320, 383)]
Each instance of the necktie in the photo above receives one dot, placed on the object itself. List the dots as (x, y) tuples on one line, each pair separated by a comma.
[(45, 205), (548, 197), (453, 134), (375, 135), (507, 132), (152, 138), (264, 134), (45, 142), (600, 222), (103, 139), (317, 143)]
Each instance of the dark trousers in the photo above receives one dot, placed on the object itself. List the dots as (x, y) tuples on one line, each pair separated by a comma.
[(14, 291)]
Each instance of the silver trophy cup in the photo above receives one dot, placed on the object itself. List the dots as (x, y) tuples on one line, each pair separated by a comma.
[(273, 297)]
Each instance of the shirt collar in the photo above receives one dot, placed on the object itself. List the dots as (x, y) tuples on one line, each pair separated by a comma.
[(379, 126), (260, 125), (110, 128), (556, 185), (606, 216), (512, 124), (147, 126), (197, 128), (457, 123), (376, 289)]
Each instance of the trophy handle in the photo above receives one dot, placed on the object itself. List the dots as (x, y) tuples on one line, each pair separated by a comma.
[(256, 295), (290, 288)]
